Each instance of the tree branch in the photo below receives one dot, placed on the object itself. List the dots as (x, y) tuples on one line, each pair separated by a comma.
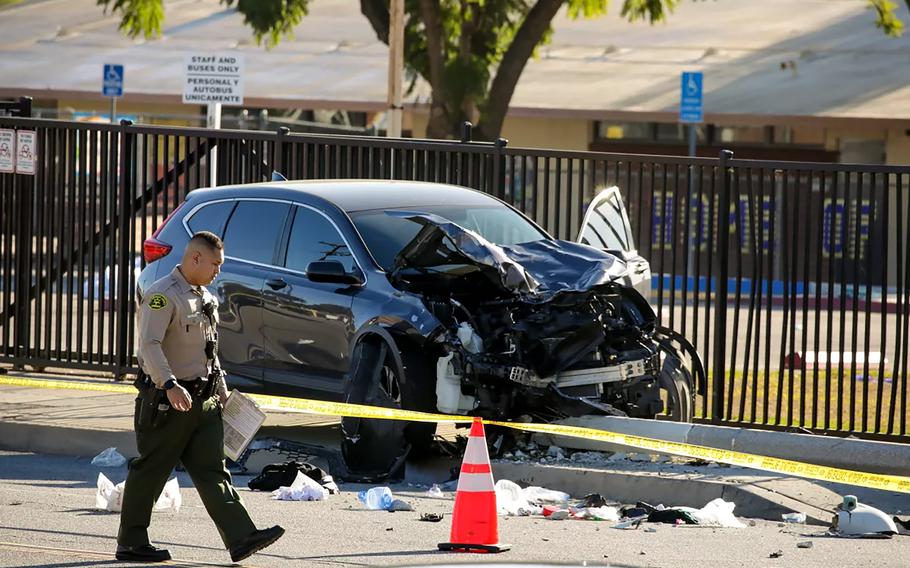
[(377, 13), (529, 35)]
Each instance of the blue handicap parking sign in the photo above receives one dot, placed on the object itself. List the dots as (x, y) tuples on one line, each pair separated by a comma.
[(112, 80), (691, 97)]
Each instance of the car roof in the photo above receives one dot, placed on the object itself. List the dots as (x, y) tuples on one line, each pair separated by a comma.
[(362, 195)]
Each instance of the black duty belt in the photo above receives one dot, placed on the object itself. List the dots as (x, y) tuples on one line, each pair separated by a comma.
[(195, 387)]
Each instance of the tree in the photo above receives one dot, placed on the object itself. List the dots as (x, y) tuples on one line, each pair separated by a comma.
[(886, 20), (471, 52)]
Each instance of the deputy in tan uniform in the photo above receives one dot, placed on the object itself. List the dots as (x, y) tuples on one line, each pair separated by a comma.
[(178, 410)]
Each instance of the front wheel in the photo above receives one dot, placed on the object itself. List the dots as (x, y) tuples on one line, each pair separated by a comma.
[(378, 447), (675, 380)]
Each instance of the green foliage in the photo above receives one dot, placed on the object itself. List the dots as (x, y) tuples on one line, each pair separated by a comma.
[(652, 10), (138, 17), (270, 20), (885, 19)]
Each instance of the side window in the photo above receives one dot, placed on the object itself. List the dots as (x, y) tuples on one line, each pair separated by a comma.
[(608, 226), (253, 230), (211, 218), (314, 238)]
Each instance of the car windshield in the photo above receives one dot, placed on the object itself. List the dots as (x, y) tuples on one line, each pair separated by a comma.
[(385, 235)]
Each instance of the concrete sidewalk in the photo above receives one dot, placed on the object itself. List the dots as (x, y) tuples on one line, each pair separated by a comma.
[(83, 423)]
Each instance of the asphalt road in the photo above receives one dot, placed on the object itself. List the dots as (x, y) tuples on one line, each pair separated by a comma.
[(47, 519)]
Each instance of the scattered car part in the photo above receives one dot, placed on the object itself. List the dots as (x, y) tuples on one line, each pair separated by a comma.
[(855, 519)]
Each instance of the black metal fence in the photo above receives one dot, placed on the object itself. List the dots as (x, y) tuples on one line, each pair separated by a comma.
[(790, 278)]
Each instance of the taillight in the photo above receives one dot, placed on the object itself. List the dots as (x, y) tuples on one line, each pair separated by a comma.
[(152, 248)]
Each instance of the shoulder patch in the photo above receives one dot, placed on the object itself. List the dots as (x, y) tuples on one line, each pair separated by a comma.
[(158, 301)]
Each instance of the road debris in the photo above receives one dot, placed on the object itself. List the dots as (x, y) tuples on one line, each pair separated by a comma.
[(777, 554), (431, 517), (435, 492), (109, 458), (856, 520), (805, 544), (794, 517), (399, 505), (376, 498), (304, 488)]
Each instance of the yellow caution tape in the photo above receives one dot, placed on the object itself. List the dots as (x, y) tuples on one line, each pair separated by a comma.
[(67, 385), (340, 409)]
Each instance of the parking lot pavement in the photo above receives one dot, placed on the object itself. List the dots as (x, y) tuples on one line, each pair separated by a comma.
[(47, 519)]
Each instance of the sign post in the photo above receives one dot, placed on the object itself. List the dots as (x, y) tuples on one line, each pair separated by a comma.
[(691, 104), (112, 86), (213, 79), (691, 112)]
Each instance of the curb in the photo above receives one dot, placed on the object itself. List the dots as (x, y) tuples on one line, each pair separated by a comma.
[(886, 458)]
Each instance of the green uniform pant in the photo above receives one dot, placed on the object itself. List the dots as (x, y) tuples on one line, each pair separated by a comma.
[(196, 438)]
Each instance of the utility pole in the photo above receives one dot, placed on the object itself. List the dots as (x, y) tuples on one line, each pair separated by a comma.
[(396, 67)]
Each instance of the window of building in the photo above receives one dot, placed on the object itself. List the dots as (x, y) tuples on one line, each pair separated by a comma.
[(625, 130)]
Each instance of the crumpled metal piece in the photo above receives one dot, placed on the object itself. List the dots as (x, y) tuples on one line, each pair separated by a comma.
[(536, 271)]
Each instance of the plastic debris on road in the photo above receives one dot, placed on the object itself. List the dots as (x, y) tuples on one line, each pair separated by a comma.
[(431, 517), (303, 488), (109, 458), (794, 517), (399, 505), (510, 500), (376, 498), (435, 492), (717, 513), (170, 497), (109, 497), (542, 496)]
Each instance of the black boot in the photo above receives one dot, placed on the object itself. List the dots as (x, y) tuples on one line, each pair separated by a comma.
[(143, 553), (255, 542)]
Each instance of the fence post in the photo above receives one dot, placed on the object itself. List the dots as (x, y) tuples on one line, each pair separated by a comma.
[(498, 187), (25, 107), (467, 130), (720, 296), (125, 269), (22, 314), (278, 166)]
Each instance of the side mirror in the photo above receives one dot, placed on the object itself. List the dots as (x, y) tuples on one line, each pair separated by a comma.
[(332, 272)]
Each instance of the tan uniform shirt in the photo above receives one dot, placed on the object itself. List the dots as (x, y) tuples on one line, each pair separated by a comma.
[(173, 329)]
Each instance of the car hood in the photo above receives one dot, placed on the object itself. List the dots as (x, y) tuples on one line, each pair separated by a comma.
[(537, 270)]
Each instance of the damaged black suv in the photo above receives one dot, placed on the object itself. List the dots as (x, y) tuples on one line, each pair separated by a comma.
[(430, 297)]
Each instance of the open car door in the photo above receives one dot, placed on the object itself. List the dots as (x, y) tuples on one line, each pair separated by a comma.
[(606, 226)]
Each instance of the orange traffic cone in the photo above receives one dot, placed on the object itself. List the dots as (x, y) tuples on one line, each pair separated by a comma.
[(475, 526)]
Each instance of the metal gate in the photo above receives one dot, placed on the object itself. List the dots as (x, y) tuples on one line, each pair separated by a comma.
[(804, 267)]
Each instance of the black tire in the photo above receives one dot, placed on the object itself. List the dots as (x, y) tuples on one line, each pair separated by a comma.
[(675, 380), (373, 446), (418, 391)]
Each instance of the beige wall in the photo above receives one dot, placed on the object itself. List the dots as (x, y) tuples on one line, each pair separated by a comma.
[(554, 133), (184, 115), (524, 132), (897, 147)]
